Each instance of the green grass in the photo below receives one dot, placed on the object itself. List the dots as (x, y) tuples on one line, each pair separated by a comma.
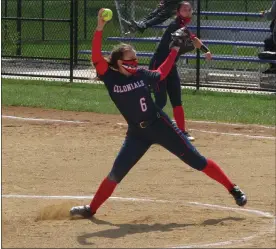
[(202, 105)]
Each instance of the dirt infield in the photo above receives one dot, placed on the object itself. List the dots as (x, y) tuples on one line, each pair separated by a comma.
[(45, 158)]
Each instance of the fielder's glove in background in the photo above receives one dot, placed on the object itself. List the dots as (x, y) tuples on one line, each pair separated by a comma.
[(267, 55), (182, 38)]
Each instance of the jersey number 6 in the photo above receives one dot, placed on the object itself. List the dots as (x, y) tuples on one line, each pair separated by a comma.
[(143, 104)]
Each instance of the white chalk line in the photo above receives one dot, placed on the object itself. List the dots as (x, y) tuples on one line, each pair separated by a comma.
[(254, 211), (230, 124), (230, 242), (44, 120), (222, 243), (74, 197), (234, 134), (223, 133), (191, 121), (124, 124)]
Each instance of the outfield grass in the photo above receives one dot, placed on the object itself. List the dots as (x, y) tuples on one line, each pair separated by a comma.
[(202, 105)]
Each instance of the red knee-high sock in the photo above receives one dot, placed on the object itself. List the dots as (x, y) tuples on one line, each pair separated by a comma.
[(103, 193), (179, 116), (215, 172)]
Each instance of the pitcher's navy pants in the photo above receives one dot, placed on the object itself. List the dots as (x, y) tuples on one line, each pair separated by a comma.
[(162, 132)]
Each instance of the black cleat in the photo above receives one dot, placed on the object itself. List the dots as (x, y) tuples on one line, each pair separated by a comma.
[(83, 211), (270, 71), (239, 196), (130, 26), (138, 26)]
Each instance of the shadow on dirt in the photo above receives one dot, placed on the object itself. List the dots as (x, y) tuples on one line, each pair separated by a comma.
[(121, 230)]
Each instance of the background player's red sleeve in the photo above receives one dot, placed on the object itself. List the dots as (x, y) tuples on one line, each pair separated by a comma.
[(166, 66), (99, 62)]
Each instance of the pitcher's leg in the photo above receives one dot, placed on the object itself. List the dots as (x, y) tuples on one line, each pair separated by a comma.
[(132, 150), (177, 143)]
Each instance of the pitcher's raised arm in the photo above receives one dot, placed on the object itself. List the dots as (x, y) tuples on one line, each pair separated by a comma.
[(98, 60)]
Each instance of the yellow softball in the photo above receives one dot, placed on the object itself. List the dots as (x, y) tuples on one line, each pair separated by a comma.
[(107, 14)]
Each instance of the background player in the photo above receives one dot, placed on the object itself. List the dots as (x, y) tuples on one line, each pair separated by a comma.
[(147, 124), (172, 84), (164, 10), (270, 42)]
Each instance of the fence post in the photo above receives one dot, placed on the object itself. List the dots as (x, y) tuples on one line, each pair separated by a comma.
[(75, 18), (6, 8), (85, 19), (72, 40), (5, 26), (206, 8), (19, 28), (197, 51), (43, 16), (118, 8), (132, 9), (246, 9)]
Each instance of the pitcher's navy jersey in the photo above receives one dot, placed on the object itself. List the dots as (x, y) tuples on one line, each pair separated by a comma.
[(131, 94)]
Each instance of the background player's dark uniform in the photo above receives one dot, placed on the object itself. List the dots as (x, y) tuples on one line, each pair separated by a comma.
[(270, 42), (165, 10), (173, 79), (171, 84)]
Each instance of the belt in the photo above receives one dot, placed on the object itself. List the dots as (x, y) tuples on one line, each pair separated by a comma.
[(145, 124)]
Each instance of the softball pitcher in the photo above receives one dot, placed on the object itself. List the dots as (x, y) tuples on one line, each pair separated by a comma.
[(128, 87)]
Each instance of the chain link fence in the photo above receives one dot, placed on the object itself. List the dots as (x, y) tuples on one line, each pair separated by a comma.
[(52, 38)]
